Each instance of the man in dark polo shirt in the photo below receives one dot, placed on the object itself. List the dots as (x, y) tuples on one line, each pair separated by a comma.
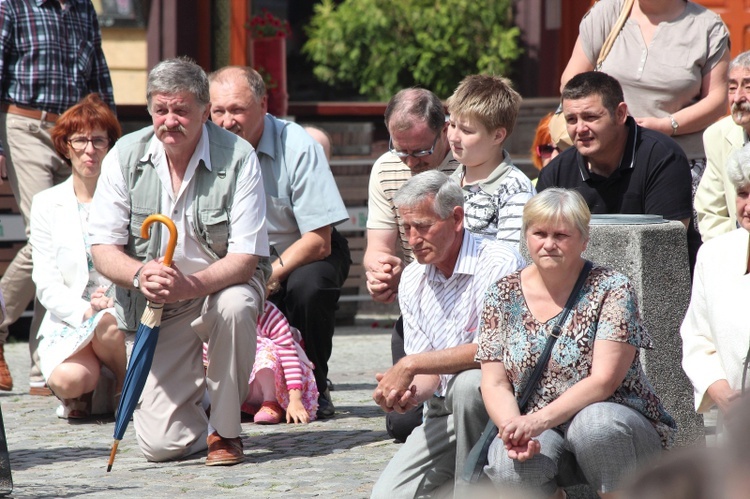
[(616, 165)]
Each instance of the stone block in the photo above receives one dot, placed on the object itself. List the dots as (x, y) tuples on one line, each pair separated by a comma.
[(655, 257)]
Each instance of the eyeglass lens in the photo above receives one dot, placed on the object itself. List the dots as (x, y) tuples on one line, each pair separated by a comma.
[(416, 154), (80, 143)]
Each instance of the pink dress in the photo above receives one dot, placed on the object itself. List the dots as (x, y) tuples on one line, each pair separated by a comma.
[(279, 349)]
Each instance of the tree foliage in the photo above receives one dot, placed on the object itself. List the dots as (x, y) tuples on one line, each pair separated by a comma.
[(382, 46)]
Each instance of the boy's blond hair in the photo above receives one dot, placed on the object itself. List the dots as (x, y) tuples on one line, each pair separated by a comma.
[(488, 99)]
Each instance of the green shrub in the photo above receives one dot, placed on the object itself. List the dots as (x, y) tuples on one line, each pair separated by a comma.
[(382, 46)]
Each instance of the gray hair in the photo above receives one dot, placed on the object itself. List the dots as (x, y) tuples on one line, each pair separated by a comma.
[(738, 167), (445, 192), (741, 61), (555, 204), (414, 104), (181, 74), (252, 77)]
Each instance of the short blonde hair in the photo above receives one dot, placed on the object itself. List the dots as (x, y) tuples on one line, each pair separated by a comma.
[(554, 204), (488, 99)]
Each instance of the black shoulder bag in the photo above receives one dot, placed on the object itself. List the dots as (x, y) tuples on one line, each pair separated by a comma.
[(477, 458)]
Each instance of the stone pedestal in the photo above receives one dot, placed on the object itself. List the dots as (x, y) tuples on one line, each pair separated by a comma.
[(655, 258)]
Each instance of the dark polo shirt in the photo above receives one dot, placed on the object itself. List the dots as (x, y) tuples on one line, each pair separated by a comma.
[(653, 178)]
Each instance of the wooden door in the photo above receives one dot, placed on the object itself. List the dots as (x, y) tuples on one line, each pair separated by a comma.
[(736, 15)]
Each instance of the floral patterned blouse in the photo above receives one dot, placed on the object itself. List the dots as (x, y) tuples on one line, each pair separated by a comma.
[(607, 309)]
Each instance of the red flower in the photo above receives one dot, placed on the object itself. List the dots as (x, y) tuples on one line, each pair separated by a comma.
[(266, 25)]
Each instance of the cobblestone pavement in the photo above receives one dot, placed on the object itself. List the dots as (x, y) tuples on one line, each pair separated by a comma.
[(337, 458)]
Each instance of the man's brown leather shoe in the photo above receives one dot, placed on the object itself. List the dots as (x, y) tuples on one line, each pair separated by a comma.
[(6, 380), (224, 451)]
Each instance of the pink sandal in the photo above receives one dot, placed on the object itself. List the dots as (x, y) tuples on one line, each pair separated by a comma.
[(269, 413)]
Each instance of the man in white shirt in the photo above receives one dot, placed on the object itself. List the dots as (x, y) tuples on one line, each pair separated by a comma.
[(207, 180), (440, 296)]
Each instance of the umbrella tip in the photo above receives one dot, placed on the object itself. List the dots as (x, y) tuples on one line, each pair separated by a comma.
[(112, 455)]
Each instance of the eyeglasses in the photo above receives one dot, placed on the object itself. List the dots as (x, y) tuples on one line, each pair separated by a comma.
[(416, 154), (79, 144), (546, 150)]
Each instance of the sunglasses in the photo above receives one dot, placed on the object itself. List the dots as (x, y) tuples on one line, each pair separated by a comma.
[(546, 150)]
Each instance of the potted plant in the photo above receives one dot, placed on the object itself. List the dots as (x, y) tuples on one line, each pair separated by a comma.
[(268, 36)]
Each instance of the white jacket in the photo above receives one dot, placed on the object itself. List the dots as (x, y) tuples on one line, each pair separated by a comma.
[(59, 256), (716, 332)]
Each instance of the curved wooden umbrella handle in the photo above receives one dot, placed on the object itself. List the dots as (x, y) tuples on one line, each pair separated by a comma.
[(172, 243)]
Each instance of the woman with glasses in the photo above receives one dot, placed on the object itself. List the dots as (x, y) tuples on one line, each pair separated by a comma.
[(79, 333), (716, 332)]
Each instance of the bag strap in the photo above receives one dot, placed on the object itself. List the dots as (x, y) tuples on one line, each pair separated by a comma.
[(607, 46), (536, 374), (477, 457)]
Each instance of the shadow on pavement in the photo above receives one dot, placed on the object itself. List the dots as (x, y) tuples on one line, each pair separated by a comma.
[(357, 411), (44, 490), (344, 387), (23, 459), (271, 447)]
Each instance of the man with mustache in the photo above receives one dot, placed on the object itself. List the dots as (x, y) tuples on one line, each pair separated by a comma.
[(208, 182), (716, 195), (617, 165), (303, 206)]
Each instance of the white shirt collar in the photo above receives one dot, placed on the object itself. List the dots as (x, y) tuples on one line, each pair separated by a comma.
[(156, 155)]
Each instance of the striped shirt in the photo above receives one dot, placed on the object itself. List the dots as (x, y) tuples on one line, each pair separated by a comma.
[(442, 312), (51, 55), (388, 174), (493, 207), (273, 325)]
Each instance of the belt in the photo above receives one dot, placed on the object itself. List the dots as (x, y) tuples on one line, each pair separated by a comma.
[(28, 112)]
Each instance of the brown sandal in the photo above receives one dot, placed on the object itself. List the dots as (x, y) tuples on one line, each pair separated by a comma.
[(77, 408)]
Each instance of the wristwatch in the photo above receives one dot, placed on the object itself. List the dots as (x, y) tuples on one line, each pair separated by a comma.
[(137, 278), (675, 125)]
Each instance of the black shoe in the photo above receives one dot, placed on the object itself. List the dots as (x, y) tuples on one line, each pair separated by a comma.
[(329, 385), (325, 406)]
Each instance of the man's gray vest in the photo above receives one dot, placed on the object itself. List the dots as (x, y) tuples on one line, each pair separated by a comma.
[(213, 193)]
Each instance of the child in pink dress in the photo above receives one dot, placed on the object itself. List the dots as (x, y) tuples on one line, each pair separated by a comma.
[(282, 379)]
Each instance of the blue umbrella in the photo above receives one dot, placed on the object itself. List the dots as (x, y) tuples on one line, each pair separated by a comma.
[(144, 346)]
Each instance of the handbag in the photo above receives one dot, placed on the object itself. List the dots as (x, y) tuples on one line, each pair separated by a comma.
[(477, 458), (558, 129)]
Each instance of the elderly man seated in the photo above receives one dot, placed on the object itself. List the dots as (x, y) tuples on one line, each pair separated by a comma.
[(441, 297)]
